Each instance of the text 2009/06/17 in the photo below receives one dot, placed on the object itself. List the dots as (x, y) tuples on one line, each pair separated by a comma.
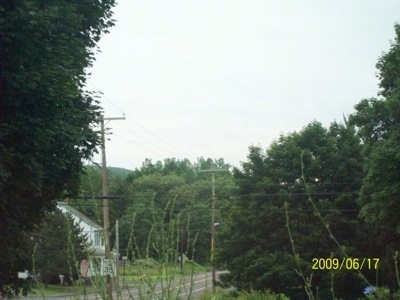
[(345, 263)]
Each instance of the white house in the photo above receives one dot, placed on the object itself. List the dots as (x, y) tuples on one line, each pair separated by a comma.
[(93, 231)]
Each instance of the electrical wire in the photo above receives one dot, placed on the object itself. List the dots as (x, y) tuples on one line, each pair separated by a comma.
[(144, 128)]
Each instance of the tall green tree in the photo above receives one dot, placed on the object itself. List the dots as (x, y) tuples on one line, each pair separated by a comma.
[(58, 245), (46, 119), (256, 248), (378, 124)]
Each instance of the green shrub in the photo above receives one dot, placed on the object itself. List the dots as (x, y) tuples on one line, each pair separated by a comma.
[(145, 263)]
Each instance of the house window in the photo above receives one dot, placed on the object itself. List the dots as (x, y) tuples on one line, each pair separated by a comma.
[(98, 239)]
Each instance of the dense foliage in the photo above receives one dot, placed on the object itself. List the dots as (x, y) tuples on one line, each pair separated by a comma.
[(160, 193), (351, 171), (57, 246), (378, 124), (259, 253), (46, 119)]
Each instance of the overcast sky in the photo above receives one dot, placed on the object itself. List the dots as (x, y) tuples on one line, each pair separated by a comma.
[(211, 78)]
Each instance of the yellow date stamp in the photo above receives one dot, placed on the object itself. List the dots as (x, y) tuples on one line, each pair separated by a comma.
[(345, 263)]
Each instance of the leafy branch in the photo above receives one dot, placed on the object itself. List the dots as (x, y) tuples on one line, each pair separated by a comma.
[(317, 213), (307, 281)]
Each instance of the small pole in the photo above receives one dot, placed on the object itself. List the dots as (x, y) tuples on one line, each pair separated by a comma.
[(124, 264), (124, 258), (181, 260), (117, 256)]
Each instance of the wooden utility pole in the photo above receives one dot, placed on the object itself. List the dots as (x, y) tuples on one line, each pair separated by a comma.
[(106, 214), (213, 224)]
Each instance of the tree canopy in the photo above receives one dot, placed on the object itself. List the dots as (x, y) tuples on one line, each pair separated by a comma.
[(173, 187), (257, 249), (378, 124), (47, 121), (351, 172)]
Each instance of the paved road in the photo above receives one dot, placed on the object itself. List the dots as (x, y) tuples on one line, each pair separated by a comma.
[(187, 287)]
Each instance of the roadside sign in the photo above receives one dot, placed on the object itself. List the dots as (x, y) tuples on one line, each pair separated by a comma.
[(84, 268), (108, 267)]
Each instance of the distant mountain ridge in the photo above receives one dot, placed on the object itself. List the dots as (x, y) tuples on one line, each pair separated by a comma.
[(114, 171), (121, 172)]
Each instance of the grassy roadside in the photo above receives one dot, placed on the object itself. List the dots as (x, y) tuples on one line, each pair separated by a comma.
[(128, 275), (136, 274), (58, 289)]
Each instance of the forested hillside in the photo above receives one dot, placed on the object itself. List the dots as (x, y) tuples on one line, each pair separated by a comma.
[(154, 194)]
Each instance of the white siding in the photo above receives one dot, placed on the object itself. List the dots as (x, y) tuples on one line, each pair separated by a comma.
[(95, 235)]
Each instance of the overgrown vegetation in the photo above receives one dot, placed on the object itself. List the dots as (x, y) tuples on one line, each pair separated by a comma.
[(146, 193), (53, 244)]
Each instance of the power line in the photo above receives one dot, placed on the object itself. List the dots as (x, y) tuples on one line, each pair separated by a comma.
[(186, 209), (143, 127), (150, 195), (146, 140), (162, 140), (141, 147)]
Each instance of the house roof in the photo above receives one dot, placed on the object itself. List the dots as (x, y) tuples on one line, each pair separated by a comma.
[(80, 215)]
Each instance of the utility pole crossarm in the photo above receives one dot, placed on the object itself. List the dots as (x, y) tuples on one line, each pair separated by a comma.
[(113, 118)]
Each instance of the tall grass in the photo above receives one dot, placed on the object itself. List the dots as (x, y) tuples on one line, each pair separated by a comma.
[(157, 265), (376, 292), (154, 271)]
